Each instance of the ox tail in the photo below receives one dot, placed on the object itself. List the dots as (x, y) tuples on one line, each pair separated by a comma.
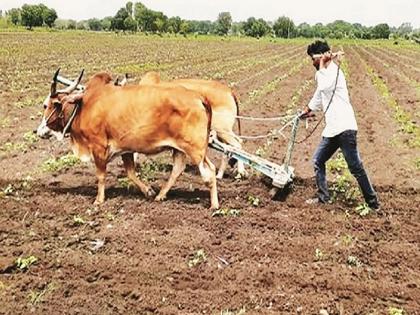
[(235, 97), (209, 113)]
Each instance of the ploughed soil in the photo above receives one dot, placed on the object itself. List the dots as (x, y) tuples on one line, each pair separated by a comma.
[(283, 256)]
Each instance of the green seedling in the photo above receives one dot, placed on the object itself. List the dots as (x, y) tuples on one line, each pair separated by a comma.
[(30, 137), (36, 297), (110, 216), (363, 209), (353, 261), (57, 164), (255, 201), (319, 255), (124, 182), (347, 239), (198, 258), (226, 212), (396, 311), (25, 263), (241, 311), (78, 220)]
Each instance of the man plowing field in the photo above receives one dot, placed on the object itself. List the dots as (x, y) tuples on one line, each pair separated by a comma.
[(340, 131)]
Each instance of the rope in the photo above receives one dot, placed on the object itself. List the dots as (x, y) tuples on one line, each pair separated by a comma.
[(273, 133), (277, 118)]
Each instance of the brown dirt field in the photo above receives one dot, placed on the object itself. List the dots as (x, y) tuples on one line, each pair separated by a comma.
[(277, 257)]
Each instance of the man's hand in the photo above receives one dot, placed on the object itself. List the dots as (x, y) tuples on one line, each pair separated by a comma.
[(306, 113)]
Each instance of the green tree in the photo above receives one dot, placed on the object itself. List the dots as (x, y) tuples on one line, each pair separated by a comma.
[(130, 24), (340, 29), (405, 29), (95, 24), (185, 28), (381, 31), (237, 28), (129, 8), (147, 20), (304, 30), (117, 22), (48, 15), (71, 25), (256, 28), (284, 27), (174, 24), (223, 23), (106, 23), (31, 15), (82, 25), (201, 27), (320, 30), (14, 15)]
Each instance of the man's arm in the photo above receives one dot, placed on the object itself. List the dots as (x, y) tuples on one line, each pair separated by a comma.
[(314, 105), (327, 78)]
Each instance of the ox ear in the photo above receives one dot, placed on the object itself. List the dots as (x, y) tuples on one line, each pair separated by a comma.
[(74, 98), (54, 82)]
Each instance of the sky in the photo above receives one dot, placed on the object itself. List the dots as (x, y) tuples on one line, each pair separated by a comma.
[(366, 12)]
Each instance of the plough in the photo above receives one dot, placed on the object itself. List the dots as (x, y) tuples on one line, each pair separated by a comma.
[(281, 175)]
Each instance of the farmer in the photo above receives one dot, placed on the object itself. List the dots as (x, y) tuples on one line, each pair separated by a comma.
[(340, 131)]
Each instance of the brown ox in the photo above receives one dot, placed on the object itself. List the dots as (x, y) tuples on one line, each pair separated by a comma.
[(223, 102), (113, 121)]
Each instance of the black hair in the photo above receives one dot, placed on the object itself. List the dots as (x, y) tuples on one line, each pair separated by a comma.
[(318, 47)]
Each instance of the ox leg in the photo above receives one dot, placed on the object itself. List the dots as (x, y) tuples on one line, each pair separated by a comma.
[(177, 169), (230, 138), (208, 173), (101, 175), (128, 160)]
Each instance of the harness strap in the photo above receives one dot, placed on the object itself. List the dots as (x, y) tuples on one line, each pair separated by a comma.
[(71, 119)]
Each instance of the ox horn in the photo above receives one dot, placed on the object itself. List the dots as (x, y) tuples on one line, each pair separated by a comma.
[(74, 85), (54, 82)]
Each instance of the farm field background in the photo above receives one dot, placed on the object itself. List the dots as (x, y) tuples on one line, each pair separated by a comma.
[(132, 255)]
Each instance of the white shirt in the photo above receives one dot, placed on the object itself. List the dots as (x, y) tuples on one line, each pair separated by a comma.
[(340, 114)]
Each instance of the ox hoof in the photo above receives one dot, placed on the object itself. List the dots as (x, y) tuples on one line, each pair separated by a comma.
[(160, 198), (242, 175), (98, 202), (150, 193)]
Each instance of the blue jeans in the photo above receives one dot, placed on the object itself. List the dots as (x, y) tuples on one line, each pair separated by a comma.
[(347, 142)]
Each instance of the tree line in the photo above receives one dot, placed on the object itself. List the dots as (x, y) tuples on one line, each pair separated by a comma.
[(136, 17)]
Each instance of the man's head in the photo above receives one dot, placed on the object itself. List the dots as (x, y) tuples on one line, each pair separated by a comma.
[(317, 48)]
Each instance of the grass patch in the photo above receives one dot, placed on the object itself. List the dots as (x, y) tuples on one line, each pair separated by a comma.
[(58, 164), (36, 297), (149, 169), (403, 118), (344, 186), (13, 189)]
